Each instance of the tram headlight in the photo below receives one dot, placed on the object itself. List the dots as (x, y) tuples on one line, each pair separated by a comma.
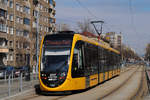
[(43, 75), (62, 75)]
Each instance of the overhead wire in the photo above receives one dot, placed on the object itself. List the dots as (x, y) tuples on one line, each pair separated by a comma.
[(93, 16), (107, 26), (132, 16), (86, 8)]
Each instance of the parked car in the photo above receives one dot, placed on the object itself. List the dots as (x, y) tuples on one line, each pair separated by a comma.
[(21, 69), (2, 72)]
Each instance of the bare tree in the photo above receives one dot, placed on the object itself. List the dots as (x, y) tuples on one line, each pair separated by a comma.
[(62, 27), (147, 54), (129, 53), (85, 26)]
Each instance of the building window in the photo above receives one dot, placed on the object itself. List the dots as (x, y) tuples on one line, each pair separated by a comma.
[(50, 29), (50, 20), (2, 27), (7, 17), (51, 2), (35, 13), (21, 20), (41, 7), (47, 29), (7, 29), (41, 28), (21, 9), (4, 2), (11, 57), (26, 45), (11, 17), (18, 32), (10, 43), (11, 30), (50, 10), (18, 19), (26, 33), (16, 44), (11, 4), (26, 21), (2, 13), (27, 10), (17, 7)]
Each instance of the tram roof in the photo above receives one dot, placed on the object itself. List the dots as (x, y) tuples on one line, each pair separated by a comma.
[(100, 43), (71, 34)]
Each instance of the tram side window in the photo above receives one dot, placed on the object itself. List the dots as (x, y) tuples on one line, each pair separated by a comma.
[(106, 65), (118, 60), (113, 60), (109, 60), (101, 59), (77, 63), (91, 59), (94, 60)]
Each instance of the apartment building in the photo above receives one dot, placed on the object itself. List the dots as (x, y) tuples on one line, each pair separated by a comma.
[(20, 20), (114, 39)]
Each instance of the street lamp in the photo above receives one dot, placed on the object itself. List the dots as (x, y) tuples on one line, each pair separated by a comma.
[(35, 2)]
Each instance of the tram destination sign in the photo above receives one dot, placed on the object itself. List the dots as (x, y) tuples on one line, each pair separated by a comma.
[(57, 42)]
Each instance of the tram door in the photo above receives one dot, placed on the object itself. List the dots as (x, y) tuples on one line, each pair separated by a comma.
[(87, 80), (86, 65), (102, 60)]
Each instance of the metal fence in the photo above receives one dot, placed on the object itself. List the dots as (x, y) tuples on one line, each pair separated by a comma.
[(11, 85)]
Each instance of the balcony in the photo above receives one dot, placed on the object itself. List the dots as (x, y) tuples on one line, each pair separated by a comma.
[(54, 3), (3, 28), (3, 46), (4, 50), (34, 25), (3, 4), (27, 27), (3, 15)]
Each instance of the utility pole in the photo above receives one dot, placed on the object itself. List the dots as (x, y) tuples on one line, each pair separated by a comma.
[(35, 2)]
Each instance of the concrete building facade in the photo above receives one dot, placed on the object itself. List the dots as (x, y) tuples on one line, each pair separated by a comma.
[(18, 29), (114, 39)]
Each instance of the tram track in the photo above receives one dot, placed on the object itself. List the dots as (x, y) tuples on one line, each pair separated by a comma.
[(39, 97), (141, 90), (123, 85), (91, 91)]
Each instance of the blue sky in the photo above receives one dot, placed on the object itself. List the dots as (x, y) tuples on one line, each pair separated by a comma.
[(133, 21)]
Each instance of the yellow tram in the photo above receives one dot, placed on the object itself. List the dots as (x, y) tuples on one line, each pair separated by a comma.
[(70, 62)]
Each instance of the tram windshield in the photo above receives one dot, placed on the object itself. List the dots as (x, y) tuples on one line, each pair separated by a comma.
[(55, 59)]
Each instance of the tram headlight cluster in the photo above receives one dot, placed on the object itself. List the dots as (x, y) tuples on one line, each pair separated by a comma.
[(62, 75), (43, 76), (53, 79)]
